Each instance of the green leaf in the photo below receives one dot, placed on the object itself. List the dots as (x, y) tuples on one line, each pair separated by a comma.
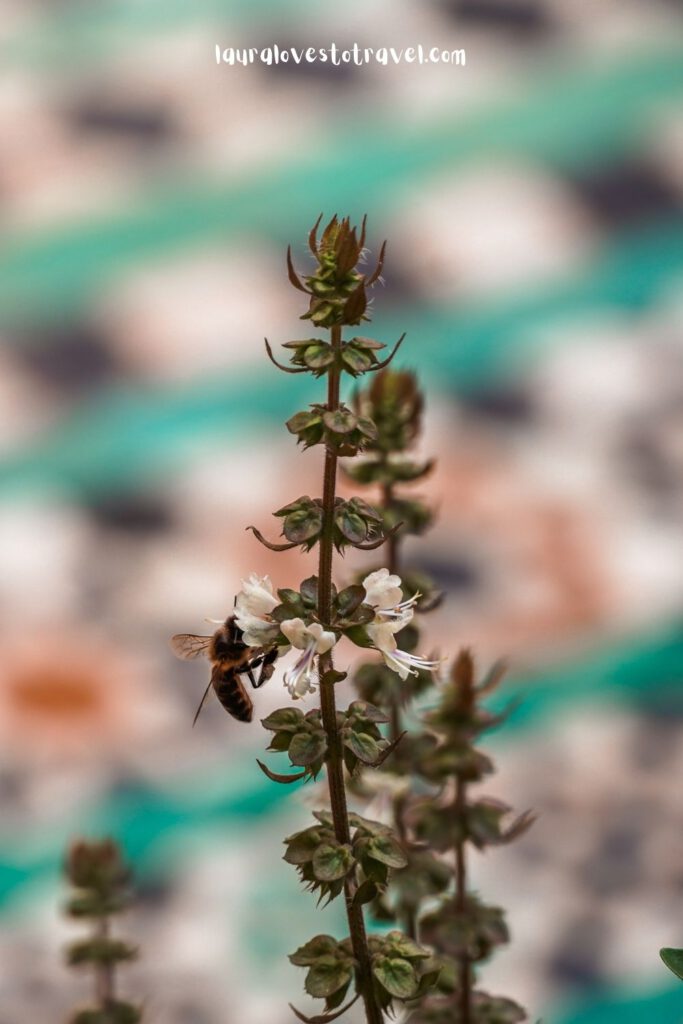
[(351, 526), (303, 420), (484, 820), (115, 1013), (401, 945), (407, 471), (339, 421), (283, 720), (369, 711), (373, 828), (303, 525), (307, 747), (363, 614), (319, 945), (368, 427), (349, 599), (302, 846), (365, 893), (386, 850), (280, 742), (101, 951), (363, 746), (358, 635), (365, 510), (673, 958), (303, 344), (325, 818), (333, 1002), (366, 472), (309, 591), (318, 356), (93, 904), (368, 343), (397, 976), (295, 506), (326, 976), (332, 862), (356, 360)]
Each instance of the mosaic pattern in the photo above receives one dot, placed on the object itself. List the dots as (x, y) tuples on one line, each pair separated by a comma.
[(534, 206)]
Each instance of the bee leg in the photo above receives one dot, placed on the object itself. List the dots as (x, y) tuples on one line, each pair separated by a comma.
[(267, 667)]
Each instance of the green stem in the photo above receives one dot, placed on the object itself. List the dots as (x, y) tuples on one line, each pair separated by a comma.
[(335, 762)]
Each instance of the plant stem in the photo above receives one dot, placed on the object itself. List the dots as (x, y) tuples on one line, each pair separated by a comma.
[(465, 991), (409, 920), (335, 763), (104, 972), (393, 567)]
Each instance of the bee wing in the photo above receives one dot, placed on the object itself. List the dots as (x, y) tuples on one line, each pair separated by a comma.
[(188, 645)]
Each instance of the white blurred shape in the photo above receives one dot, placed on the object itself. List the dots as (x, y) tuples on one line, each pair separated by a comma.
[(492, 228)]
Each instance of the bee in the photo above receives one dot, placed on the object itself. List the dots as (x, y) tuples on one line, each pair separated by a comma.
[(230, 658)]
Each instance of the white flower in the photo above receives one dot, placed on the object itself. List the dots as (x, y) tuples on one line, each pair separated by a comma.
[(405, 664), (382, 590), (257, 596), (312, 640), (383, 593), (253, 606)]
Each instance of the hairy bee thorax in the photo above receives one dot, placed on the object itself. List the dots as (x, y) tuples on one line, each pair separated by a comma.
[(227, 643)]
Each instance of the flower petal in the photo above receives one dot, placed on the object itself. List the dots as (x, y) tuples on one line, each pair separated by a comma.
[(302, 677), (382, 636), (296, 632), (324, 638), (256, 595), (382, 589)]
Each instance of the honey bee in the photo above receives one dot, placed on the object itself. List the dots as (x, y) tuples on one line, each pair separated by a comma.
[(230, 658)]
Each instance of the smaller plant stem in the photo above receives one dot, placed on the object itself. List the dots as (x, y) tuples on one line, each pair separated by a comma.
[(104, 972), (465, 989), (409, 919), (392, 549)]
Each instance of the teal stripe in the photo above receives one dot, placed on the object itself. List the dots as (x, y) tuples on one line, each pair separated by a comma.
[(149, 824), (152, 825), (469, 346), (130, 436), (655, 1006), (647, 674), (570, 120), (88, 33), (647, 671)]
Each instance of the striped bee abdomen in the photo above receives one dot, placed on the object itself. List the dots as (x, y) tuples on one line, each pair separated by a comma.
[(231, 693)]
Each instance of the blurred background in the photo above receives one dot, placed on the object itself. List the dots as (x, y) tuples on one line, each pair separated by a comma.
[(533, 203)]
